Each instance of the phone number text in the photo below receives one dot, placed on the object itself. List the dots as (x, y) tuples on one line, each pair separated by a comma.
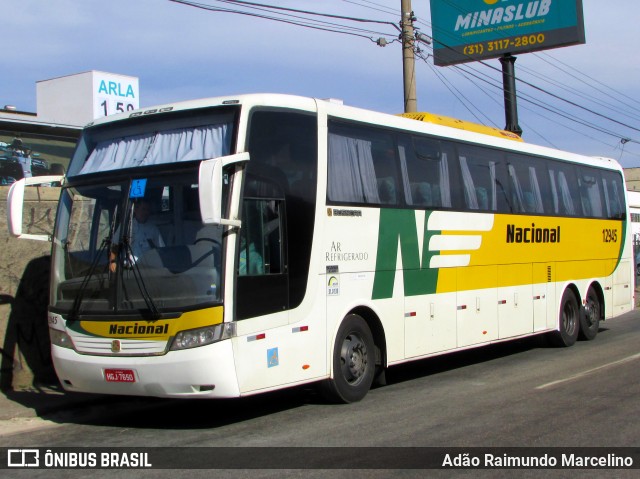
[(504, 45)]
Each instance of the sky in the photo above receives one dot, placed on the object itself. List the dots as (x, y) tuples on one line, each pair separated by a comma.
[(179, 52)]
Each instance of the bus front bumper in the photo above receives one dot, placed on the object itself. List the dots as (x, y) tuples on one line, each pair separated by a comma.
[(207, 372)]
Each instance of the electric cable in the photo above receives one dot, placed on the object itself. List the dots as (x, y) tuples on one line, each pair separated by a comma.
[(301, 18)]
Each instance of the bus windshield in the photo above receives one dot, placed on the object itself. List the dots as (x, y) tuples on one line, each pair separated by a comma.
[(135, 246), (129, 238)]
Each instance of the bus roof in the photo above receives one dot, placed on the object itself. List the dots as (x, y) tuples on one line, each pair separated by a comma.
[(461, 125), (428, 123)]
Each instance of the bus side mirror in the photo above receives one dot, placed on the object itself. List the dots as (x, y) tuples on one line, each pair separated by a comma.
[(15, 204), (210, 188)]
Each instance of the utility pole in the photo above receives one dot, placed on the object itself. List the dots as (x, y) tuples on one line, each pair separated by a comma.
[(408, 57)]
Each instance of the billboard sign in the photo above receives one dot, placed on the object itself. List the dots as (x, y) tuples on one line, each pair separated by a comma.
[(114, 93), (471, 30)]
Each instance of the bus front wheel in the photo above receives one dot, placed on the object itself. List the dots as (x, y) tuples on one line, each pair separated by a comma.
[(353, 362), (569, 321)]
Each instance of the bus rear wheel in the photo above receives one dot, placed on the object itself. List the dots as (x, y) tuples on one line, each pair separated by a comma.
[(569, 321), (353, 362), (590, 319)]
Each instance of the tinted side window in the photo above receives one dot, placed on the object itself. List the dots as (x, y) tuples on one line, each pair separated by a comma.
[(483, 180), (614, 194), (529, 183), (286, 143), (261, 239), (363, 166), (591, 192), (425, 165), (565, 193), (279, 205)]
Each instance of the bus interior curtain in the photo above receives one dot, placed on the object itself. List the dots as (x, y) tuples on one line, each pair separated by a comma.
[(445, 191), (618, 201), (535, 189), (405, 175), (567, 200), (162, 147), (469, 188), (554, 192), (516, 186), (352, 176), (593, 196), (494, 186), (607, 201)]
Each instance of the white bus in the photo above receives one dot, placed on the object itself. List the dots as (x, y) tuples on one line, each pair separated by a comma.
[(231, 246)]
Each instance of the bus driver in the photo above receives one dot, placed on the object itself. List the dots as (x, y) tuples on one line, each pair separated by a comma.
[(144, 234)]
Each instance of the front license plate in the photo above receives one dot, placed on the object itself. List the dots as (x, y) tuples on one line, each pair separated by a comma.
[(119, 376)]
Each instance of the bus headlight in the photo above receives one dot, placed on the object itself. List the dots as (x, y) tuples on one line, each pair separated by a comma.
[(194, 338), (60, 338)]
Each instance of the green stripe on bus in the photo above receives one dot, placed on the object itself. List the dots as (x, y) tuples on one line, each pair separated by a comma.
[(399, 227)]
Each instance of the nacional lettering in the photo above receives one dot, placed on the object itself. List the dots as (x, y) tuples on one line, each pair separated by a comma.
[(138, 329), (533, 234), (115, 89), (501, 15)]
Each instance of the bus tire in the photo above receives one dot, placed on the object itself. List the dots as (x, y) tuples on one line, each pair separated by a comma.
[(569, 321), (353, 362), (590, 317)]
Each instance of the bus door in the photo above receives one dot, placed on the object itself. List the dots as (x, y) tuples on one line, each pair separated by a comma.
[(261, 300)]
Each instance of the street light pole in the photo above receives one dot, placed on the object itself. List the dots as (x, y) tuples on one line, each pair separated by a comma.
[(510, 98)]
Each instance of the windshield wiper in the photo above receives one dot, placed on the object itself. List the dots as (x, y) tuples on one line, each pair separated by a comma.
[(105, 245), (137, 274), (77, 302)]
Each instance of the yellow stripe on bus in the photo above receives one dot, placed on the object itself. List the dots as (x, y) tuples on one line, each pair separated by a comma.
[(161, 329)]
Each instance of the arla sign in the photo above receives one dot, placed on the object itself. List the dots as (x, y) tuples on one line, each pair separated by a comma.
[(114, 94)]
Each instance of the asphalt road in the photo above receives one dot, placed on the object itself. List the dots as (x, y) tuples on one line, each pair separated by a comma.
[(522, 393)]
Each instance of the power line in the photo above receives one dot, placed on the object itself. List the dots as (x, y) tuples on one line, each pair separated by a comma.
[(276, 10), (464, 74), (479, 76), (590, 78), (564, 114), (573, 91), (459, 70), (303, 18), (565, 100), (451, 88), (296, 19), (572, 103), (558, 97), (382, 8), (306, 12), (625, 113)]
